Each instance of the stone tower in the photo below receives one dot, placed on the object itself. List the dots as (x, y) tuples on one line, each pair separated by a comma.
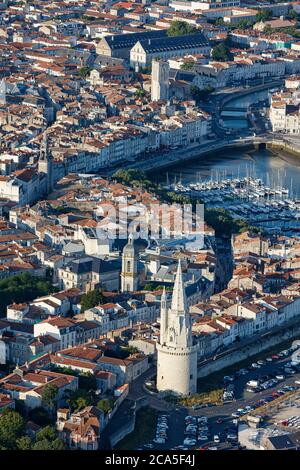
[(129, 275), (176, 353), (160, 80), (45, 164)]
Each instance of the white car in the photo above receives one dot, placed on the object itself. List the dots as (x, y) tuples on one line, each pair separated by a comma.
[(159, 440), (255, 365), (216, 438), (189, 442), (269, 359)]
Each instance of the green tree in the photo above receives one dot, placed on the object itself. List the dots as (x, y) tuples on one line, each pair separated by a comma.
[(87, 381), (201, 95), (187, 66), (180, 28), (23, 443), (39, 416), (221, 52), (12, 426), (79, 399), (84, 71), (264, 15), (91, 299), (140, 92), (49, 395), (105, 405), (48, 433), (44, 444), (23, 288), (292, 14)]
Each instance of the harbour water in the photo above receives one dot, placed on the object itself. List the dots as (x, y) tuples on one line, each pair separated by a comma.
[(243, 102), (274, 169), (269, 166)]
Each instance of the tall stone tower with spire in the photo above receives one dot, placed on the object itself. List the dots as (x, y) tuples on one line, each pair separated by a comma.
[(176, 353)]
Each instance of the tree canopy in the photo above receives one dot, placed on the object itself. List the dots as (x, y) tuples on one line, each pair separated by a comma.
[(221, 52), (201, 95), (105, 405), (264, 15), (84, 71), (13, 435), (23, 288), (12, 426), (49, 395), (79, 399), (180, 28), (47, 439), (91, 299)]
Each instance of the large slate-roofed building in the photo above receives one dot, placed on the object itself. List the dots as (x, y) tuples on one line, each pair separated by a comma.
[(120, 45), (145, 50)]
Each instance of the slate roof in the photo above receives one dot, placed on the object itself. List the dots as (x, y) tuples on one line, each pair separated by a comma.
[(127, 41), (96, 265), (188, 41)]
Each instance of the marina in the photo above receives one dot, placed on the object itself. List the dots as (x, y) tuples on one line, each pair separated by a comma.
[(269, 205)]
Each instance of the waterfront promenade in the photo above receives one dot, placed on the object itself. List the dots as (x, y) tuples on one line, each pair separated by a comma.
[(159, 161)]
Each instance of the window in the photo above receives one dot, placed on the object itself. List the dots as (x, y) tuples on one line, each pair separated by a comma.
[(128, 266)]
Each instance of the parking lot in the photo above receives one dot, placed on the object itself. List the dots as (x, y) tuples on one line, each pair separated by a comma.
[(215, 427)]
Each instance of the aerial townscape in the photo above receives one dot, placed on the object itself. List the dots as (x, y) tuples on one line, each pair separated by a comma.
[(149, 225)]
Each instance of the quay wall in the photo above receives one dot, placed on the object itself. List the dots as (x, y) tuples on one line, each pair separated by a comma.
[(197, 153), (260, 345), (248, 91), (283, 146)]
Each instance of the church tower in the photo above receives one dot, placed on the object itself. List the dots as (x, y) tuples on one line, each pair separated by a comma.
[(129, 274), (45, 164), (176, 353)]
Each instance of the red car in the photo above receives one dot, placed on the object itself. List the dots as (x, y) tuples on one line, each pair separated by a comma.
[(275, 357), (276, 394)]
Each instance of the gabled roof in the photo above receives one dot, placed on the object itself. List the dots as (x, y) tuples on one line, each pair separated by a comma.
[(174, 43), (122, 41)]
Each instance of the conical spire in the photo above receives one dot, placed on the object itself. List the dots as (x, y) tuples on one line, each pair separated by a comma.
[(163, 316), (179, 303), (163, 296)]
